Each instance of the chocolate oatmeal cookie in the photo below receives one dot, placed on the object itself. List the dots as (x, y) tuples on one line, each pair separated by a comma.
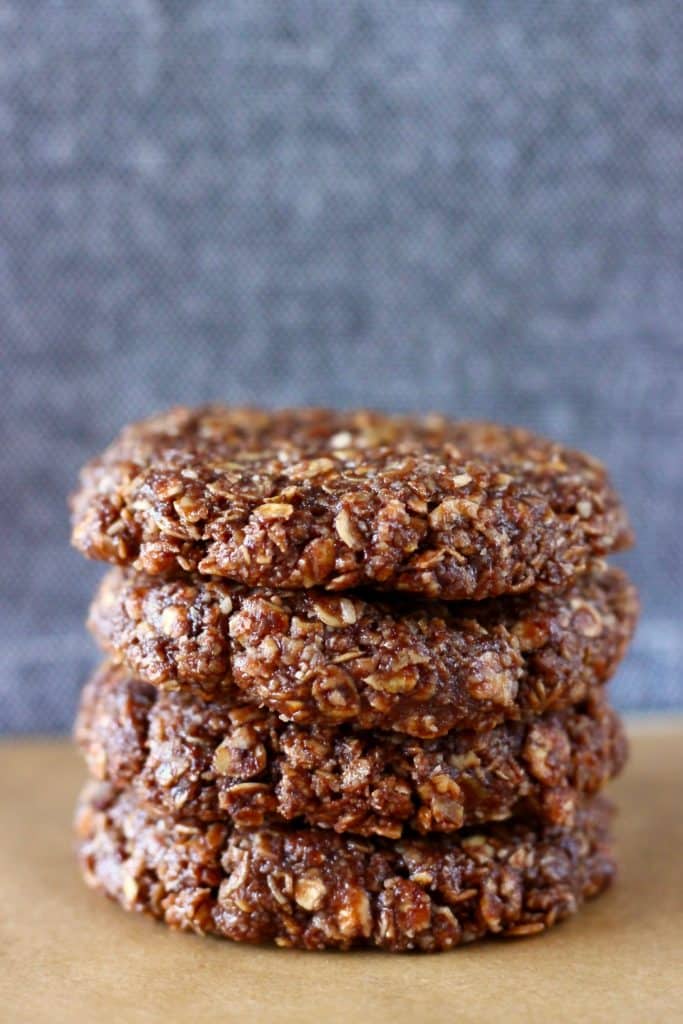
[(306, 497), (313, 889), (418, 667), (218, 761)]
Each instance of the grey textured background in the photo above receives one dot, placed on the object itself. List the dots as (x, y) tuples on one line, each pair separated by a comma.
[(471, 207)]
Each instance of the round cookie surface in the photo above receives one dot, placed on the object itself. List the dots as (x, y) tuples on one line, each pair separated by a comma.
[(313, 889), (219, 761), (306, 497), (418, 667)]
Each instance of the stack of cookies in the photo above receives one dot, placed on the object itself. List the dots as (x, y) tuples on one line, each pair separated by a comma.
[(355, 689)]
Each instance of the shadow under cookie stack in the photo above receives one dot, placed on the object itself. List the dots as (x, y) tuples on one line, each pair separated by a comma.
[(355, 693)]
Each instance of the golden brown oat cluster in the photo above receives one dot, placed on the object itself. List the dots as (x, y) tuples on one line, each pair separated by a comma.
[(356, 687)]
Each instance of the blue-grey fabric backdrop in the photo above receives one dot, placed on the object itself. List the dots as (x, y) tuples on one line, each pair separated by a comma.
[(473, 207)]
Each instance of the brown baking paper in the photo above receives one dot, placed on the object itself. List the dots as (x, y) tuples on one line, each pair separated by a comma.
[(68, 954)]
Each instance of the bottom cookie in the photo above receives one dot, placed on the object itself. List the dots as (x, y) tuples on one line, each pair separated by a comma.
[(311, 888)]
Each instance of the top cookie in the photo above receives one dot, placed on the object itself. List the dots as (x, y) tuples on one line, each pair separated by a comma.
[(312, 497)]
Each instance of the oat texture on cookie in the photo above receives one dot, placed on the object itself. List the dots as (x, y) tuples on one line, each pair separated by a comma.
[(415, 666), (305, 497), (355, 687), (312, 888)]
